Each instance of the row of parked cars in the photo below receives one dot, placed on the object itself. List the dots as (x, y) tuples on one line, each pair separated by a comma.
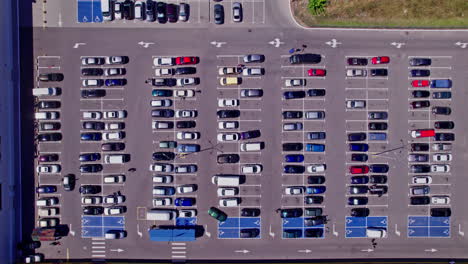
[(47, 120), (108, 128), (428, 162), (312, 194), (162, 109), (149, 11)]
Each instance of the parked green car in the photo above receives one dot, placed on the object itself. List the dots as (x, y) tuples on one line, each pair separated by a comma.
[(217, 214)]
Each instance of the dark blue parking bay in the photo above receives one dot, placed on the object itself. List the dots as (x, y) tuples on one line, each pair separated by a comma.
[(89, 11)]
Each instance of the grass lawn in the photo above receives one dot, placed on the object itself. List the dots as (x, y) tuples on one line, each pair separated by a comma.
[(386, 13)]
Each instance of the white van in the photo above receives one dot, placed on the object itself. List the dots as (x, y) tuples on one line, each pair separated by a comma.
[(107, 10), (374, 232), (115, 158), (114, 179), (160, 215), (46, 91), (47, 201), (46, 115), (252, 146), (226, 180)]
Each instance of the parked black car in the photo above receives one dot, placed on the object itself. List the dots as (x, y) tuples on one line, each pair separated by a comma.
[(93, 210), (218, 14), (378, 126), (228, 113), (292, 114), (420, 62), (420, 73), (360, 212), (185, 70), (292, 146), (159, 156), (172, 14), (92, 72), (250, 134), (379, 72), (444, 137), (161, 12), (305, 58), (250, 212), (48, 104), (49, 137), (419, 147), (444, 125), (186, 124), (90, 189), (441, 110), (166, 113), (315, 179), (228, 158), (93, 93), (90, 168), (418, 200)]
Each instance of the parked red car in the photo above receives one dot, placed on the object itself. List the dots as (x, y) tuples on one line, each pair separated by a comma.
[(420, 83), (186, 60), (380, 60), (317, 72), (359, 169)]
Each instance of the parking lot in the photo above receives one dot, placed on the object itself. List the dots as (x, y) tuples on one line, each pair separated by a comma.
[(303, 160)]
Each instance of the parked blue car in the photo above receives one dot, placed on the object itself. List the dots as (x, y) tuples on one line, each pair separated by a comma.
[(46, 189), (359, 180), (377, 136), (186, 148), (315, 189), (293, 169), (441, 83), (95, 136), (184, 201), (315, 147), (358, 147), (115, 82), (162, 93), (294, 95), (294, 158)]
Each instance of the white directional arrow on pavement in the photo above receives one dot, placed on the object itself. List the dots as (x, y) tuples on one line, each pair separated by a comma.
[(431, 250), (304, 250), (396, 230), (367, 250), (140, 234), (77, 45), (333, 43), (271, 233), (334, 231), (245, 251), (460, 230), (117, 250), (71, 231), (217, 44), (276, 42), (462, 44), (145, 44), (397, 44)]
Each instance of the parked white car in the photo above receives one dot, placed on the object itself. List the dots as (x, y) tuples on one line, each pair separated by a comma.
[(187, 188), (186, 113), (91, 199), (186, 81), (229, 202), (355, 104), (440, 200), (113, 135), (114, 199), (184, 93), (161, 167), (164, 72), (163, 61), (440, 168), (92, 115), (228, 124), (316, 168), (356, 73), (114, 210), (114, 71), (228, 137), (442, 157), (161, 103), (163, 179), (251, 168), (294, 190), (162, 202), (53, 168), (115, 114), (227, 191), (294, 82), (186, 135), (422, 179), (228, 102), (114, 126)]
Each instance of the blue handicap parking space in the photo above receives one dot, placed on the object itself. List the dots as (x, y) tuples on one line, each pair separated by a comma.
[(186, 221), (418, 232), (377, 221), (418, 221), (297, 223), (428, 226), (228, 233), (230, 222), (439, 231), (249, 222), (96, 226), (356, 232), (355, 221), (89, 11), (96, 231), (356, 226), (293, 222), (439, 221), (232, 226), (114, 221), (91, 221)]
